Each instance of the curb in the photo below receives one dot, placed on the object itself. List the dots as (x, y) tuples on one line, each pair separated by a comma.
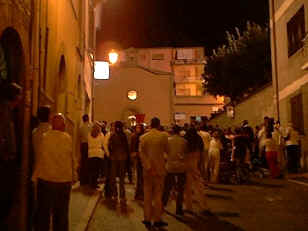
[(298, 182), (89, 212)]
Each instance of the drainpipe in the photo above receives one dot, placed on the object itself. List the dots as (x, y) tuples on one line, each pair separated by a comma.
[(275, 57)]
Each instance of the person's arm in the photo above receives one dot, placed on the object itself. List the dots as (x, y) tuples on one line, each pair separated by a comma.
[(74, 159)]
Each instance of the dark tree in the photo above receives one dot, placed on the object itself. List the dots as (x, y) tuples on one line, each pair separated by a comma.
[(240, 66)]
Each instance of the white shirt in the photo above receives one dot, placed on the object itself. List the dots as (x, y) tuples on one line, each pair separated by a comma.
[(215, 146), (56, 162), (206, 137), (96, 146), (37, 135), (293, 136), (84, 130)]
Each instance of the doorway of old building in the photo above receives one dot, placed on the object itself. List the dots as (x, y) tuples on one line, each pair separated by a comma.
[(12, 69)]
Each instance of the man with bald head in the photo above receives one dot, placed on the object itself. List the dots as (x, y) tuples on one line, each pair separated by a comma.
[(55, 171)]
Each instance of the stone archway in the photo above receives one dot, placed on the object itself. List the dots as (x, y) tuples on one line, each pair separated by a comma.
[(13, 69), (12, 50), (13, 63)]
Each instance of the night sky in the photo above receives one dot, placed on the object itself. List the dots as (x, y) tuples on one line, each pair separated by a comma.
[(155, 23)]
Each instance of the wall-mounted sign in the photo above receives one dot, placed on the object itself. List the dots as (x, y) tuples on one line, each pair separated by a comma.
[(101, 70)]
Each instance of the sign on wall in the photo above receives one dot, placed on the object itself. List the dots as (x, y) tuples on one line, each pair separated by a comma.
[(101, 70)]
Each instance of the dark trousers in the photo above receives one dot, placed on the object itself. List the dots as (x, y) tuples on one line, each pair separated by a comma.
[(118, 168), (293, 158), (83, 164), (129, 169), (53, 202), (107, 173), (94, 168), (139, 185), (177, 181)]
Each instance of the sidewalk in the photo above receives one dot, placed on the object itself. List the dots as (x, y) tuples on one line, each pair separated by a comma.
[(300, 178), (82, 206)]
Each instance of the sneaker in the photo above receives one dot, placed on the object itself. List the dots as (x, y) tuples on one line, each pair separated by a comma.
[(147, 224), (159, 224)]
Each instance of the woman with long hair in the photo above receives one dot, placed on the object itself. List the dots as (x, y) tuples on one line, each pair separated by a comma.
[(119, 151), (135, 154), (194, 181)]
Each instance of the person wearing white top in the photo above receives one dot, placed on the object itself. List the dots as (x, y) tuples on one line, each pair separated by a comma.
[(292, 146), (214, 157), (206, 138), (96, 154), (55, 172)]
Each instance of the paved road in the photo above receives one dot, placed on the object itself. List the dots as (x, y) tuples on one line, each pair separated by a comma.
[(267, 205)]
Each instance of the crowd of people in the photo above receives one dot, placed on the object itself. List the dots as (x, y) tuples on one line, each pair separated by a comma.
[(161, 162)]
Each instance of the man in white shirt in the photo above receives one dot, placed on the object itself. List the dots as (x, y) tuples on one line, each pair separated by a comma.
[(55, 171), (206, 138), (84, 132), (44, 126), (292, 146), (37, 136)]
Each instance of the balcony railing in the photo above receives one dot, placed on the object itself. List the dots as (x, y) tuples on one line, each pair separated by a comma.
[(305, 53), (188, 61), (187, 78)]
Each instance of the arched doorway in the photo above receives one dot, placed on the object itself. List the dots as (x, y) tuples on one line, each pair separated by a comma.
[(12, 56), (60, 95), (12, 69)]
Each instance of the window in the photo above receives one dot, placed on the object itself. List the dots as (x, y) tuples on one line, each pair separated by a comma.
[(101, 70), (158, 56), (297, 115), (296, 31), (190, 89), (132, 95)]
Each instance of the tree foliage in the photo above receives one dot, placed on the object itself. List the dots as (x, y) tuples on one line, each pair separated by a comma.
[(241, 65)]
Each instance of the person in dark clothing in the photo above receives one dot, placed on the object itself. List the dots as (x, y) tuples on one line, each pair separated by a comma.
[(135, 152), (239, 145), (176, 171), (119, 151), (194, 181)]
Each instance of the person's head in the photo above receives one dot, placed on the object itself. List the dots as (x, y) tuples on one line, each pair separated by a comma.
[(96, 129), (155, 123), (238, 131), (215, 134), (176, 130), (85, 118), (43, 113), (118, 125), (58, 122), (12, 93), (139, 129), (112, 127), (245, 123)]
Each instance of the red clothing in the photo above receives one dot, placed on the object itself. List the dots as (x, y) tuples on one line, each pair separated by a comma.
[(272, 161)]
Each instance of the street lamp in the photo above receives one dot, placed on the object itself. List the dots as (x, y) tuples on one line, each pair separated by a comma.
[(113, 57)]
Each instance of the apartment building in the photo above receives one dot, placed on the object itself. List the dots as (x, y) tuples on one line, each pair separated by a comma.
[(289, 27)]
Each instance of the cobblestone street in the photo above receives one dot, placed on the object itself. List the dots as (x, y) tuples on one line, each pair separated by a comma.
[(269, 205)]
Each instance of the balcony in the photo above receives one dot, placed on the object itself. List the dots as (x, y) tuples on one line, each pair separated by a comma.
[(187, 79), (305, 53), (188, 61)]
